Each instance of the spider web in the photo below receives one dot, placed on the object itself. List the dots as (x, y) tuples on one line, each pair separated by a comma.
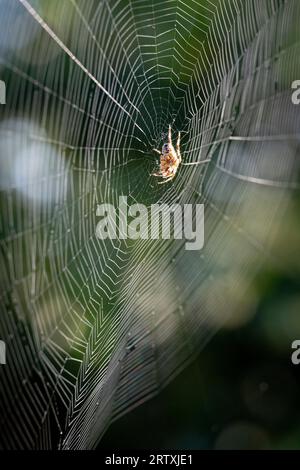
[(94, 328)]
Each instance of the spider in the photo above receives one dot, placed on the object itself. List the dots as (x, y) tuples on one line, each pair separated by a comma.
[(170, 159)]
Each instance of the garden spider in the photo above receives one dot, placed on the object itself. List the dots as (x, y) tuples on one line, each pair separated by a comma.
[(170, 159)]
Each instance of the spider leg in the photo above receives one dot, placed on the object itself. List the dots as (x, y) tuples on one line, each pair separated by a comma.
[(178, 147), (157, 151), (170, 135), (166, 180), (197, 163)]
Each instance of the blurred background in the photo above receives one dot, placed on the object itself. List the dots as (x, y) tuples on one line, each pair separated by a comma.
[(242, 392)]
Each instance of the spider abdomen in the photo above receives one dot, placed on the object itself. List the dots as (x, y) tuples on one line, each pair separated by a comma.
[(169, 158)]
